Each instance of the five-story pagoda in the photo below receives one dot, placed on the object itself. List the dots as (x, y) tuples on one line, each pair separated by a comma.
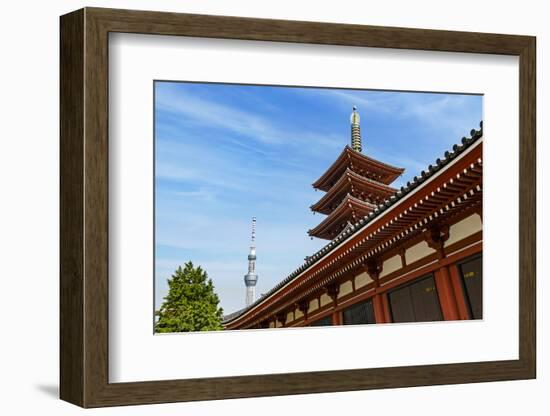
[(355, 185)]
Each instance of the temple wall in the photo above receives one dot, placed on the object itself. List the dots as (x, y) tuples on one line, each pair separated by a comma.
[(325, 299), (313, 305), (417, 252), (298, 313), (390, 265), (290, 316), (462, 229), (345, 288), (361, 280)]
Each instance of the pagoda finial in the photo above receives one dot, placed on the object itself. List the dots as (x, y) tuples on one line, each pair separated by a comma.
[(355, 130)]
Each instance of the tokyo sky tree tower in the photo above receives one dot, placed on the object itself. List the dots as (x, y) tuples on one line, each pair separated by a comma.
[(251, 278)]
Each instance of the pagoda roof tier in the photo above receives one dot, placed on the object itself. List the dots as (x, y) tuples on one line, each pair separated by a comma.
[(350, 210), (359, 163), (354, 184)]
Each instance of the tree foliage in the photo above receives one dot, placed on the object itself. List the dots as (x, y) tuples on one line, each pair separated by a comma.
[(191, 303)]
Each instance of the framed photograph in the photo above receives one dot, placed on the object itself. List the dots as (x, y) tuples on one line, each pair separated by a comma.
[(255, 207)]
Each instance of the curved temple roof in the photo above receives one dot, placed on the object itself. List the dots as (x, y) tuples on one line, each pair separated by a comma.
[(363, 222), (348, 182), (348, 209), (349, 157)]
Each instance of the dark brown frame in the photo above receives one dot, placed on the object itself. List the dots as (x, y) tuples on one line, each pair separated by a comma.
[(84, 207)]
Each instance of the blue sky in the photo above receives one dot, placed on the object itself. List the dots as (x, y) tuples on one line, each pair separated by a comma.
[(226, 153)]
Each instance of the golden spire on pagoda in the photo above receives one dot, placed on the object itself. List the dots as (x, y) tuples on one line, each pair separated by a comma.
[(355, 120)]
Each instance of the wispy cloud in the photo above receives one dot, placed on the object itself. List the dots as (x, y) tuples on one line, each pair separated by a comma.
[(209, 113), (254, 125), (200, 195), (442, 111)]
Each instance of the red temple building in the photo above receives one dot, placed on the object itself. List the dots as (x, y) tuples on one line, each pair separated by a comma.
[(395, 255)]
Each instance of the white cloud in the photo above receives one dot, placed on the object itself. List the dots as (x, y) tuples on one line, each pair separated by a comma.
[(204, 113), (442, 111), (210, 113)]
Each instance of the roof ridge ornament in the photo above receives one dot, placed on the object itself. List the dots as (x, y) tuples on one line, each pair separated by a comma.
[(355, 121)]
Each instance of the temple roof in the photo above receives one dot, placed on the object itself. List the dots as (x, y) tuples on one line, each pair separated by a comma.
[(351, 183), (348, 211), (357, 162), (363, 222)]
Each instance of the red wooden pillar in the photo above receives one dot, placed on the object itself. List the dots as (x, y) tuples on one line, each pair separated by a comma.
[(379, 312), (337, 318), (333, 290), (446, 294), (386, 303), (373, 267), (463, 310)]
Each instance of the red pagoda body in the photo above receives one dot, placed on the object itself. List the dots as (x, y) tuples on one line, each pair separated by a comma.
[(355, 185)]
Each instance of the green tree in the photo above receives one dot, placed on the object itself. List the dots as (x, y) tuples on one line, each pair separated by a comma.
[(191, 303)]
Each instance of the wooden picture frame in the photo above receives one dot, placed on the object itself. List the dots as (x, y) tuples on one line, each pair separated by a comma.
[(84, 207)]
